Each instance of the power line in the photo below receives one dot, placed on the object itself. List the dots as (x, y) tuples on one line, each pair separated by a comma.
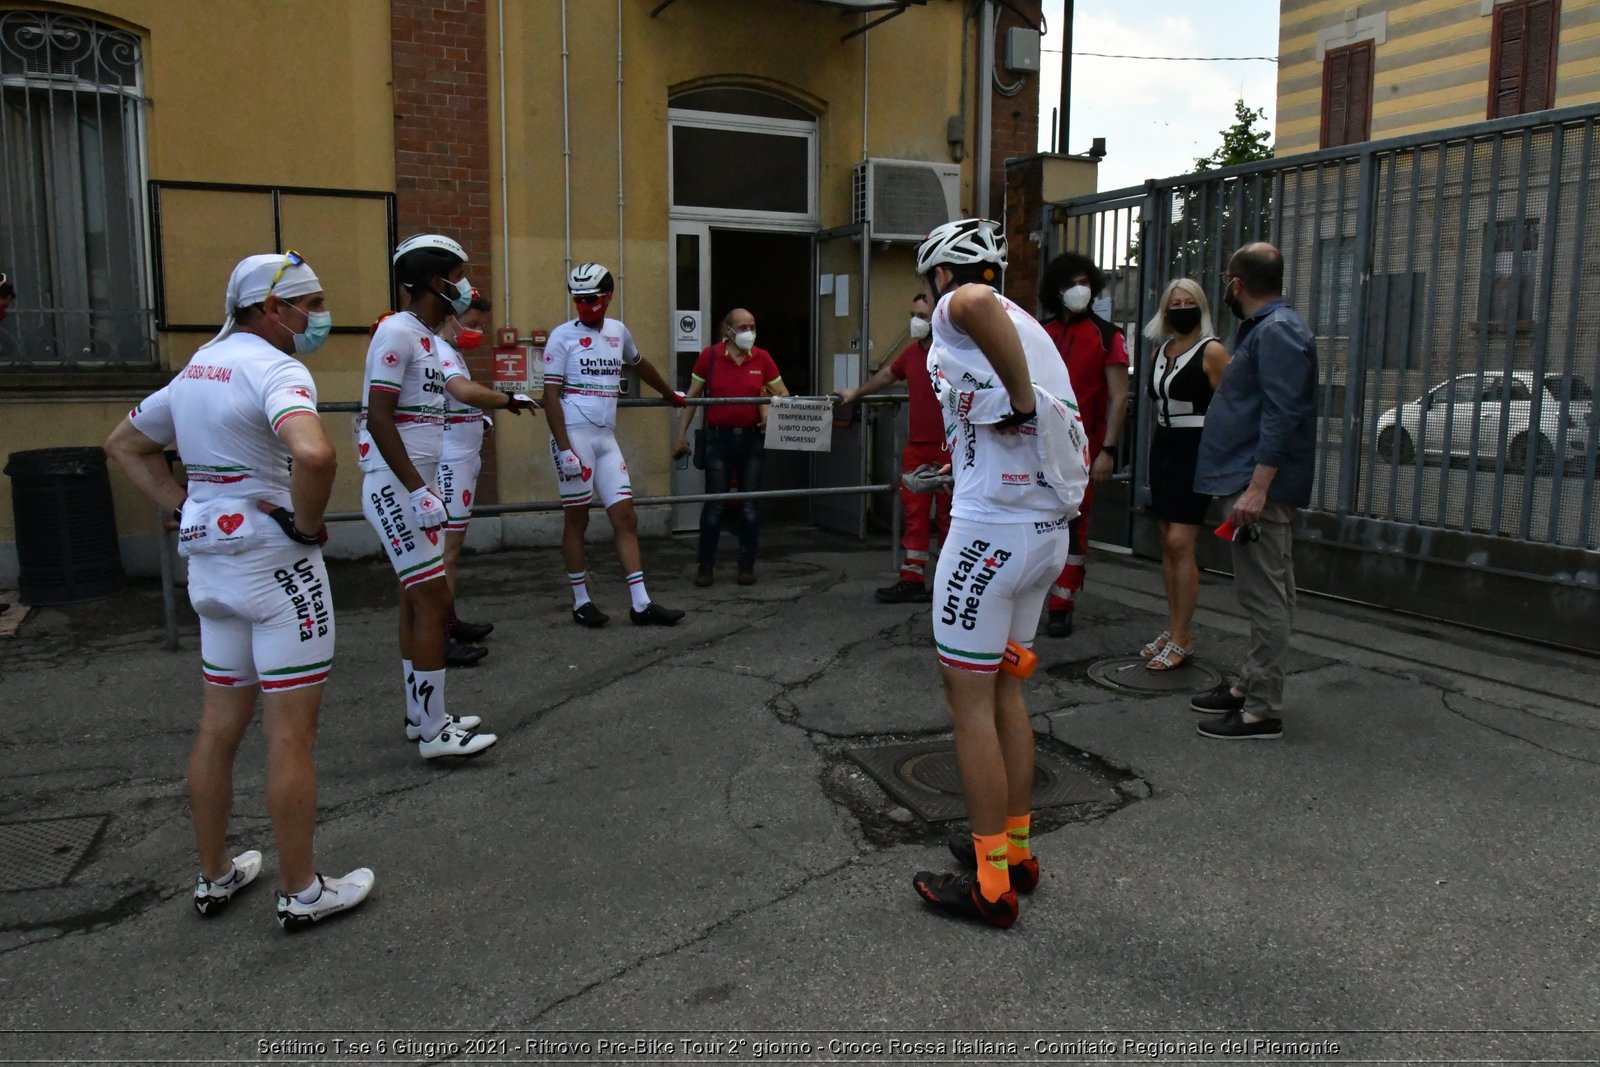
[(1174, 59)]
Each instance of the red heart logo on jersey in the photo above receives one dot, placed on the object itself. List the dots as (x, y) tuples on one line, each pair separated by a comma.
[(364, 449), (229, 523), (466, 497), (433, 535), (427, 345), (585, 342), (587, 472)]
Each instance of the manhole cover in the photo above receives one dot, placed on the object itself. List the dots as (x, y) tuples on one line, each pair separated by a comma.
[(44, 853), (1128, 674), (924, 777)]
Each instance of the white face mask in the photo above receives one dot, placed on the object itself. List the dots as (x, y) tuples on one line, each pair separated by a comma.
[(745, 339), (920, 327), (1076, 298)]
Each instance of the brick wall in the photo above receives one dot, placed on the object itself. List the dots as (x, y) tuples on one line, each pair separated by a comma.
[(1016, 118), (440, 51), (1024, 202)]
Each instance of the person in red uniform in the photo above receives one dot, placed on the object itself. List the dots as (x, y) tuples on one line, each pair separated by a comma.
[(1097, 363), (924, 445), (735, 445)]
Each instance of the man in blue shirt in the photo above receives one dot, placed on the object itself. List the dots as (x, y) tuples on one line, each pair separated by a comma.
[(1258, 452)]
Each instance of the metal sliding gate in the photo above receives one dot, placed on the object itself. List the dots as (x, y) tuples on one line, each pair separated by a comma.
[(1452, 281)]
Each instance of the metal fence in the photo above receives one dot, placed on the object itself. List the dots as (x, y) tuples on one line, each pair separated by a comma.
[(1453, 284)]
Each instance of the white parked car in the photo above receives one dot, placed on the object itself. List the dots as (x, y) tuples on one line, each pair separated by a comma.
[(1483, 416)]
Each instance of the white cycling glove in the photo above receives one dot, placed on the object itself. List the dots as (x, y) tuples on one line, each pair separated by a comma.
[(428, 508), (571, 465)]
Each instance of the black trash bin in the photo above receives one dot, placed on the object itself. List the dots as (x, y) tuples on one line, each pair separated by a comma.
[(67, 549)]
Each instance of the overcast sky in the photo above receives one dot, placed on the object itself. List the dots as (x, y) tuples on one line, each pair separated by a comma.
[(1157, 117)]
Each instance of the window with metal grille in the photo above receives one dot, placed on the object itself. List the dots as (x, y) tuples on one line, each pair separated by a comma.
[(1511, 273), (1522, 64), (71, 207), (1347, 95)]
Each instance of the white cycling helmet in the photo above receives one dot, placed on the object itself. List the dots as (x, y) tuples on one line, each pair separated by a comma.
[(587, 279), (437, 243), (963, 242)]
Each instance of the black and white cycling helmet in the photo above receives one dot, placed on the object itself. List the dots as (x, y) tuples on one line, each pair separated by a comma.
[(962, 243), (588, 279), (437, 243)]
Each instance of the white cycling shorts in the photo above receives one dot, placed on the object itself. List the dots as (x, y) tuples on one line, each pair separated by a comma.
[(416, 555), (266, 617), (990, 586), (458, 485), (605, 472)]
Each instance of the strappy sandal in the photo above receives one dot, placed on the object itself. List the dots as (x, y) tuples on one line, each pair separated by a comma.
[(1170, 658), (1155, 647)]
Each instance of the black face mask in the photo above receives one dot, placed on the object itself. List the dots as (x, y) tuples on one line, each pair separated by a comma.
[(1183, 321)]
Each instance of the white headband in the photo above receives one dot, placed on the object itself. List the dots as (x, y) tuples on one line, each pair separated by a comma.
[(252, 278)]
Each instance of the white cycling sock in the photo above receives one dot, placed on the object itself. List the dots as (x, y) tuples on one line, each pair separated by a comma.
[(406, 681), (311, 893), (430, 703), (580, 588), (641, 599)]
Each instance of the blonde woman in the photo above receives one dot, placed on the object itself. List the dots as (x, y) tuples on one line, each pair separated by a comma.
[(1188, 368)]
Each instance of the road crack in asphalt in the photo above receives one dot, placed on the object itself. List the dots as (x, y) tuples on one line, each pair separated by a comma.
[(1444, 700)]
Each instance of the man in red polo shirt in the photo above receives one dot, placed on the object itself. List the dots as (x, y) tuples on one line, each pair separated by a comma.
[(924, 445), (1097, 363), (735, 448)]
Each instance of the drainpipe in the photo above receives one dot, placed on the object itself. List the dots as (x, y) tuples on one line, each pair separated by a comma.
[(505, 213), (621, 252), (566, 144), (980, 183)]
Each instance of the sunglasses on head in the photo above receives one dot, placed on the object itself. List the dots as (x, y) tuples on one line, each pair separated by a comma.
[(291, 258)]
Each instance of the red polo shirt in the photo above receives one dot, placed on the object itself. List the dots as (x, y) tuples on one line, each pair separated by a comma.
[(721, 376), (1089, 344), (911, 367)]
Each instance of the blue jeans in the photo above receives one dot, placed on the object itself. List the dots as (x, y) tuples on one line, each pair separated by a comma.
[(731, 454)]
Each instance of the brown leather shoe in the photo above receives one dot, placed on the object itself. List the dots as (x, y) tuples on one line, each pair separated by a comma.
[(747, 574), (702, 579)]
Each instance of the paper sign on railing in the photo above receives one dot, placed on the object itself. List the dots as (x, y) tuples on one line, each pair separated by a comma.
[(800, 424)]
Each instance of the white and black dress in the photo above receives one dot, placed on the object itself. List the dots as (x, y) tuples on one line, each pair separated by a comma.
[(1181, 393)]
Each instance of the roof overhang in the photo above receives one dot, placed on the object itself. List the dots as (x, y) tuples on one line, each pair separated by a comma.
[(890, 9)]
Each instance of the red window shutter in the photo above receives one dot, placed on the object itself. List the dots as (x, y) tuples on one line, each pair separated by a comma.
[(1347, 95), (1523, 59)]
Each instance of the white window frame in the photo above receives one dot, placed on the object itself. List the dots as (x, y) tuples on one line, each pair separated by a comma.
[(792, 221)]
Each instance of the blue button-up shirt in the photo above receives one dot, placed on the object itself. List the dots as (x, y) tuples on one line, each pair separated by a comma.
[(1265, 413)]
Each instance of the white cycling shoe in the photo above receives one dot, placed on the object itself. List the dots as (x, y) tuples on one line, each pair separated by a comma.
[(457, 722), (453, 741), (338, 894), (211, 897)]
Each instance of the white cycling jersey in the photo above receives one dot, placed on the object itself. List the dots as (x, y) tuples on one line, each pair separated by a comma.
[(1036, 474), (224, 410), (463, 423), (403, 359), (587, 363)]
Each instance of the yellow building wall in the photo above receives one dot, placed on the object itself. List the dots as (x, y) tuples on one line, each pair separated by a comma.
[(1430, 73), (297, 92)]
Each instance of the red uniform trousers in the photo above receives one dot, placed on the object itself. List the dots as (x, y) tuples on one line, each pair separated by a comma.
[(1070, 582), (915, 508)]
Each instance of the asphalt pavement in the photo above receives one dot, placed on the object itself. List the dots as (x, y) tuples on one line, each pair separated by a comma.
[(670, 843)]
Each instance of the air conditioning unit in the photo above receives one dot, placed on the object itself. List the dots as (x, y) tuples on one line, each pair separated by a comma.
[(903, 199)]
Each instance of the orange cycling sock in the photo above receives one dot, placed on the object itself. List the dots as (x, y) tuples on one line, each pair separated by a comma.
[(1018, 847), (994, 874)]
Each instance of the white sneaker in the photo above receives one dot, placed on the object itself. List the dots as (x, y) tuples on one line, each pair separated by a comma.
[(459, 722), (454, 742), (211, 897), (338, 894)]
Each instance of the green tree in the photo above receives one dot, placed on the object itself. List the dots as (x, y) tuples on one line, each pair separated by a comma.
[(1241, 142)]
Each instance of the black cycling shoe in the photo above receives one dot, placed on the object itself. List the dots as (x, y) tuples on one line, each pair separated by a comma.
[(1059, 624), (903, 592), (958, 895), (457, 654), (590, 616), (1024, 873), (655, 615), (471, 632)]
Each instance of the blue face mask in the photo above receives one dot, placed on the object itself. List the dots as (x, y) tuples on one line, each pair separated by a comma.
[(462, 300), (318, 325)]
